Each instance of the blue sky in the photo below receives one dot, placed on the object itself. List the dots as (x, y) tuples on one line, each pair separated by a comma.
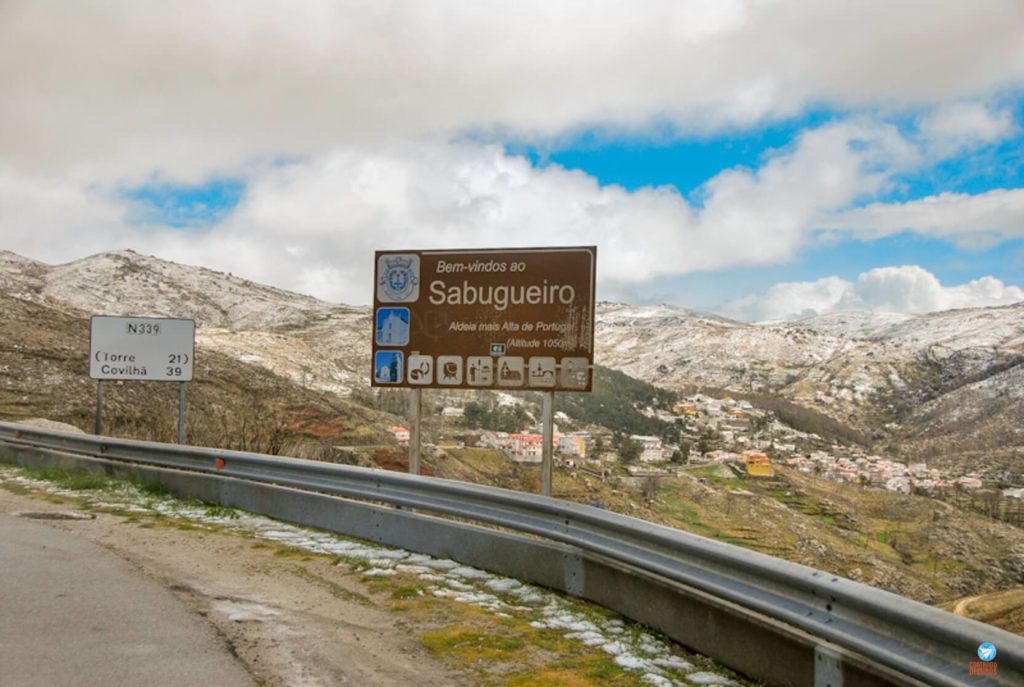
[(687, 163), (717, 153), (670, 158), (182, 206)]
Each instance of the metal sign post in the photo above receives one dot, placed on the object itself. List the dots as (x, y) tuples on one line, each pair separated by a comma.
[(508, 319), (181, 412), (99, 407), (415, 415), (160, 349), (548, 429)]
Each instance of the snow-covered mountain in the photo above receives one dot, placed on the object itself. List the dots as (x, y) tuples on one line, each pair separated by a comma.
[(887, 374), (943, 384), (321, 345), (126, 282)]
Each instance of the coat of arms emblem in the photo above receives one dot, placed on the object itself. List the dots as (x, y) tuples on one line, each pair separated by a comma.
[(398, 278)]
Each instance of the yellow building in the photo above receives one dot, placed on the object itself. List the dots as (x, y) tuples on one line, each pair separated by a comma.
[(573, 445), (685, 409), (758, 464)]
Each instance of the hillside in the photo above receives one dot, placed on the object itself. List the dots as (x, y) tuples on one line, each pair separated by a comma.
[(935, 388), (276, 372), (126, 282), (232, 404), (318, 345), (915, 546), (940, 388)]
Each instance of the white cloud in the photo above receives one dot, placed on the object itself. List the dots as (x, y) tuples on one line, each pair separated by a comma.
[(58, 217), (970, 220), (312, 225), (362, 99), (788, 300), (116, 90), (957, 126), (908, 289)]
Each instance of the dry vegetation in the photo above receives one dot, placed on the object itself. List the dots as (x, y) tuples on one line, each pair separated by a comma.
[(918, 547), (1003, 609), (43, 373)]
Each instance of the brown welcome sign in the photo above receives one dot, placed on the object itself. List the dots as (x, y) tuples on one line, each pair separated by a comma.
[(516, 318)]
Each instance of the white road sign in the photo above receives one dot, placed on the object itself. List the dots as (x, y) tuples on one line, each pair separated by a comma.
[(142, 348)]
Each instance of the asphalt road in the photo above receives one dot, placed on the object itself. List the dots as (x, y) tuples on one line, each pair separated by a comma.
[(73, 613)]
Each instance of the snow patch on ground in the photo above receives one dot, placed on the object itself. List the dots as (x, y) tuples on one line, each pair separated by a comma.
[(632, 647)]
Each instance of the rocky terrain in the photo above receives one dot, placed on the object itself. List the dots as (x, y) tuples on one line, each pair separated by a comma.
[(943, 387), (939, 388), (275, 368), (232, 403)]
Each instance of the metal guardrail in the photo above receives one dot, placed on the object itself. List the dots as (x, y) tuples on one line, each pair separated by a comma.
[(773, 620)]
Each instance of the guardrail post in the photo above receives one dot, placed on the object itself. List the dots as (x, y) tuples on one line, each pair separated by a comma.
[(415, 414), (828, 668), (98, 426), (181, 412), (546, 459)]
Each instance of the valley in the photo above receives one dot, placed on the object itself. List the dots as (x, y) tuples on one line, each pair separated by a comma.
[(843, 405)]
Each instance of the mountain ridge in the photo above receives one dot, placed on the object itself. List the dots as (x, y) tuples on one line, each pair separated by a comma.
[(882, 374)]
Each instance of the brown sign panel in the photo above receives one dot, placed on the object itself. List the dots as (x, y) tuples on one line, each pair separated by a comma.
[(516, 318)]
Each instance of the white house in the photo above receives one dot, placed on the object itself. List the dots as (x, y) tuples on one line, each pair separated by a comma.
[(574, 444), (898, 484), (525, 447), (652, 450)]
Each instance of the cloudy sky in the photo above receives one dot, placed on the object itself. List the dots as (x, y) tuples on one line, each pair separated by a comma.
[(762, 159)]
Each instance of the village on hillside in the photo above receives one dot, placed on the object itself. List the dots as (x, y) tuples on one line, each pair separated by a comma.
[(728, 432)]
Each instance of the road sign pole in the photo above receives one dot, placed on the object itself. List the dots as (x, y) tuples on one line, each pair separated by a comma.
[(99, 407), (548, 438), (415, 413), (181, 412)]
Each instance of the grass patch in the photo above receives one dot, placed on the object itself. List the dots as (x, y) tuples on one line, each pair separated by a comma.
[(510, 652), (218, 511), (16, 489), (358, 565), (74, 480), (719, 475), (409, 592), (151, 488), (471, 645), (674, 506), (293, 552), (572, 664)]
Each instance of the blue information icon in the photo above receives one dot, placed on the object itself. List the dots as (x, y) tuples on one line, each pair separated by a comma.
[(987, 651), (387, 367), (392, 327)]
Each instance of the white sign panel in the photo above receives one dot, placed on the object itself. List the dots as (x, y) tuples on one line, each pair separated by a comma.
[(142, 348)]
